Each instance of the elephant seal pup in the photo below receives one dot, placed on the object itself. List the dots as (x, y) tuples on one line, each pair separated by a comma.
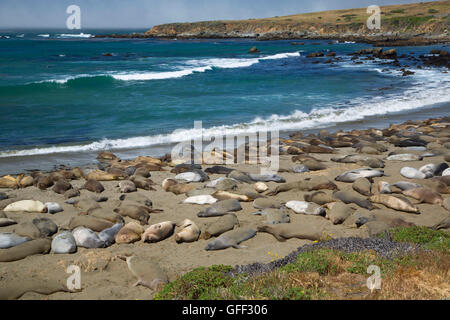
[(53, 207), (143, 183), (202, 199), (225, 195), (396, 203), (94, 186), (266, 178), (363, 186), (338, 212), (446, 172), (384, 187), (283, 232), (61, 186), (353, 175), (221, 225), (189, 233), (404, 157), (158, 232), (127, 186), (221, 208), (26, 206), (412, 173), (319, 197), (5, 222), (108, 235), (444, 224), (105, 214), (171, 185), (92, 223), (263, 203), (148, 272), (140, 213), (46, 226), (218, 170), (240, 176), (440, 169), (308, 184), (87, 238), (38, 246), (352, 197), (130, 233), (64, 243), (406, 185), (231, 239), (424, 195), (190, 177), (9, 240), (446, 204), (137, 197), (99, 175), (274, 216), (304, 207)]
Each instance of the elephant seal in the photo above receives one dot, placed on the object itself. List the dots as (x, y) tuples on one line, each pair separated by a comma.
[(313, 164), (53, 207), (300, 168), (359, 218), (363, 186), (9, 240), (260, 187), (61, 186), (446, 204), (412, 173), (373, 163), (283, 232), (446, 173), (231, 239), (99, 175), (404, 157), (92, 223), (185, 167), (190, 177), (319, 197), (130, 233), (43, 182), (424, 195), (158, 232), (26, 206), (64, 243), (140, 213), (38, 246), (225, 195), (202, 199), (444, 224), (171, 185), (396, 203), (263, 203), (94, 186), (137, 197), (223, 184), (46, 226), (127, 186), (105, 214), (86, 204), (338, 212), (8, 182), (240, 176), (87, 238), (352, 197), (406, 185), (353, 175), (440, 169), (190, 232), (5, 222), (221, 208), (266, 178), (275, 216), (108, 235), (308, 184), (218, 170), (3, 196), (143, 183), (26, 181), (384, 187), (428, 170), (304, 207), (221, 225), (147, 271)]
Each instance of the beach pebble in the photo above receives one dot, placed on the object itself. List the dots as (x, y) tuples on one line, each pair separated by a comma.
[(64, 243), (53, 207), (202, 199), (9, 240), (412, 173), (87, 238), (300, 168), (303, 207), (260, 187)]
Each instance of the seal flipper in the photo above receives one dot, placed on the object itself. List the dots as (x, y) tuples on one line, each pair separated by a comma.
[(239, 247)]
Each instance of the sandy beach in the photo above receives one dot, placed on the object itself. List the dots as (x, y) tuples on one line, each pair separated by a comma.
[(104, 276)]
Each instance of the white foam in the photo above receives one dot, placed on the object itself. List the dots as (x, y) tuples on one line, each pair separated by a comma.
[(70, 35), (44, 35)]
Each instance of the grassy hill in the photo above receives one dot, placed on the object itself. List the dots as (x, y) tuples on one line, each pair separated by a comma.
[(431, 19)]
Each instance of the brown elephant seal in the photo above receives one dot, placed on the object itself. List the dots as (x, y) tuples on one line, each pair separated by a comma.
[(117, 172), (86, 204), (143, 183), (444, 224), (231, 239), (363, 186), (61, 186), (26, 181), (171, 185), (221, 208), (72, 193), (130, 233), (221, 225), (264, 203), (374, 228), (446, 204), (38, 246), (8, 182), (92, 223), (424, 195), (353, 197), (313, 164), (158, 232), (283, 232), (225, 195), (127, 186), (140, 213), (106, 156), (147, 271), (137, 198), (12, 290), (275, 216), (99, 175), (319, 197), (308, 184), (43, 182), (105, 214), (338, 212), (189, 232), (94, 186), (396, 203)]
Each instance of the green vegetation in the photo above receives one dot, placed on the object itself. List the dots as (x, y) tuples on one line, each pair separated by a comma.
[(398, 11), (409, 21), (432, 11)]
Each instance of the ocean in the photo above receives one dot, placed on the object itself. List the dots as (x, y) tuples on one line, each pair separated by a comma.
[(64, 95)]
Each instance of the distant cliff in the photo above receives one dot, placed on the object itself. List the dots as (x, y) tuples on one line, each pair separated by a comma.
[(421, 21)]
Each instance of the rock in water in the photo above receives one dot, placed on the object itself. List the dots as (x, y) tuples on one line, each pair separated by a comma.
[(64, 243)]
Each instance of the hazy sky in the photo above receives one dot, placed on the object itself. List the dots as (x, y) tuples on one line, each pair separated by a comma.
[(147, 13)]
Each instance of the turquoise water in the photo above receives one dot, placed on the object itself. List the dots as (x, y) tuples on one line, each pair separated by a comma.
[(67, 97)]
